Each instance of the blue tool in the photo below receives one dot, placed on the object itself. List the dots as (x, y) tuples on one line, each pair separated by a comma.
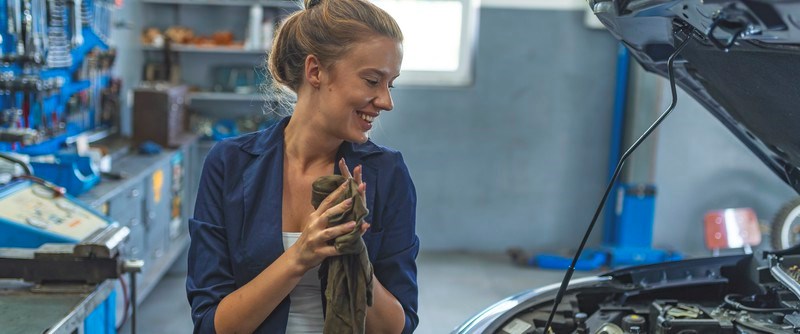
[(75, 173), (149, 147), (32, 215)]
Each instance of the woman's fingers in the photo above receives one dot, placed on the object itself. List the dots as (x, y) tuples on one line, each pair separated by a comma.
[(338, 230), (327, 209), (362, 189), (362, 186), (343, 169), (336, 210), (317, 246), (357, 174), (327, 251)]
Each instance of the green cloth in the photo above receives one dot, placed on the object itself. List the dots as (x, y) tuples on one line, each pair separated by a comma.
[(349, 288)]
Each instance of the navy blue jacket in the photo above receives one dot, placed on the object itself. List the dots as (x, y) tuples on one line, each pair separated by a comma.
[(236, 229)]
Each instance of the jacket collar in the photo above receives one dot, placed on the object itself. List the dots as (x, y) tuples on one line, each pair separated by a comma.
[(260, 144)]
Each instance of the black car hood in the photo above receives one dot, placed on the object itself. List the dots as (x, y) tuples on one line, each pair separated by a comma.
[(752, 87)]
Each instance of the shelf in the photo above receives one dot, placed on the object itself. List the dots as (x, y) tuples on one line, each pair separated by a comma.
[(216, 96), (266, 3), (207, 49)]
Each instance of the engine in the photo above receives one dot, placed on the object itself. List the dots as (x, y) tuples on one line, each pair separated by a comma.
[(733, 294)]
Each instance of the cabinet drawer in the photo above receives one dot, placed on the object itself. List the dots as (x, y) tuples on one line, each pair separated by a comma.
[(135, 246), (158, 200), (126, 207), (157, 235)]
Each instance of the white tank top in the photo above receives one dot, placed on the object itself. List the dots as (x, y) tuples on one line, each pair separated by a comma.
[(305, 309)]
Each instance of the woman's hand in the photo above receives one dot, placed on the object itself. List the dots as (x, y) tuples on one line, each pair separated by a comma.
[(312, 247), (362, 186)]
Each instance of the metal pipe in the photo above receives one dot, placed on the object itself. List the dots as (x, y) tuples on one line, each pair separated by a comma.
[(40, 26), (133, 267), (133, 303), (15, 24), (58, 52), (617, 123), (77, 23), (26, 36)]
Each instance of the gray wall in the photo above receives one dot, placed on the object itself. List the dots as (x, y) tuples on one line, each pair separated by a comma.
[(125, 32), (701, 166), (519, 158)]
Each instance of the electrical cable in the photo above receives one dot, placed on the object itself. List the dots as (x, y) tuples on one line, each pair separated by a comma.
[(126, 302), (57, 191), (25, 166), (741, 307), (133, 300), (571, 269)]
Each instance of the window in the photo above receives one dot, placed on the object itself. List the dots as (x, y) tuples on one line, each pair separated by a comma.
[(440, 38)]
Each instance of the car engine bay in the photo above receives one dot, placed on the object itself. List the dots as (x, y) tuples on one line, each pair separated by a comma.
[(732, 294)]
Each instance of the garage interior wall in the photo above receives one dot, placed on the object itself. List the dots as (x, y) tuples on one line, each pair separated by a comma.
[(519, 158), (701, 166)]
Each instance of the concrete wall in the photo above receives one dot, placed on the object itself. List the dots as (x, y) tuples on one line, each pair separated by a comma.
[(700, 166), (519, 158)]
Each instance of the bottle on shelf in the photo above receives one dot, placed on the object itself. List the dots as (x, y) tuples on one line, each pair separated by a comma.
[(254, 29)]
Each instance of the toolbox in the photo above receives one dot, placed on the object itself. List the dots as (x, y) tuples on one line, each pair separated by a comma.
[(159, 115)]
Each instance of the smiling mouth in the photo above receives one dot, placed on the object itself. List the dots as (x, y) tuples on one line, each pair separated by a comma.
[(366, 117)]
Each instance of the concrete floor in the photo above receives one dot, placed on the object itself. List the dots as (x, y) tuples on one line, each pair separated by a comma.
[(453, 287)]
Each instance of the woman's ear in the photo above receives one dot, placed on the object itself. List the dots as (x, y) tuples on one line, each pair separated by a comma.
[(313, 70)]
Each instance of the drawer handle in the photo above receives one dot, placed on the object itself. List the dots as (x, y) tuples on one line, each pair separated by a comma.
[(133, 222), (135, 193)]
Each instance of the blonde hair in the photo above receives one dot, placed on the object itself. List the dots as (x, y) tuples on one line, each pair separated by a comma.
[(326, 29)]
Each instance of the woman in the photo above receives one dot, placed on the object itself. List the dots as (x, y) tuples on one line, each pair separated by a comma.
[(249, 268)]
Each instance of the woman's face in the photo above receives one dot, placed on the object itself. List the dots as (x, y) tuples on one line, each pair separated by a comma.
[(354, 90)]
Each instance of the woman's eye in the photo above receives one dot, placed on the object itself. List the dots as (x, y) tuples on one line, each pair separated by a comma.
[(372, 82)]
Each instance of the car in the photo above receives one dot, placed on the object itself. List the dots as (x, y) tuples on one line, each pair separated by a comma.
[(740, 60)]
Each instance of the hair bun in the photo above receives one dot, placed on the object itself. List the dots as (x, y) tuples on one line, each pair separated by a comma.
[(312, 3)]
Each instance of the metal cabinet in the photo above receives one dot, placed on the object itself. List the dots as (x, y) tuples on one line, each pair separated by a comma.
[(157, 211), (154, 200), (126, 208)]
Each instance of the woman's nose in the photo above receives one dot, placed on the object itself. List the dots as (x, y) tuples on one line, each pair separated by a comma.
[(384, 100)]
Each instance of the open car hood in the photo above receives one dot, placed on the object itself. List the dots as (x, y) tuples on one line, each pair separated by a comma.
[(743, 64)]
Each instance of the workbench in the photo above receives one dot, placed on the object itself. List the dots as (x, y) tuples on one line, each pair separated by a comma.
[(152, 195), (24, 311), (154, 198)]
